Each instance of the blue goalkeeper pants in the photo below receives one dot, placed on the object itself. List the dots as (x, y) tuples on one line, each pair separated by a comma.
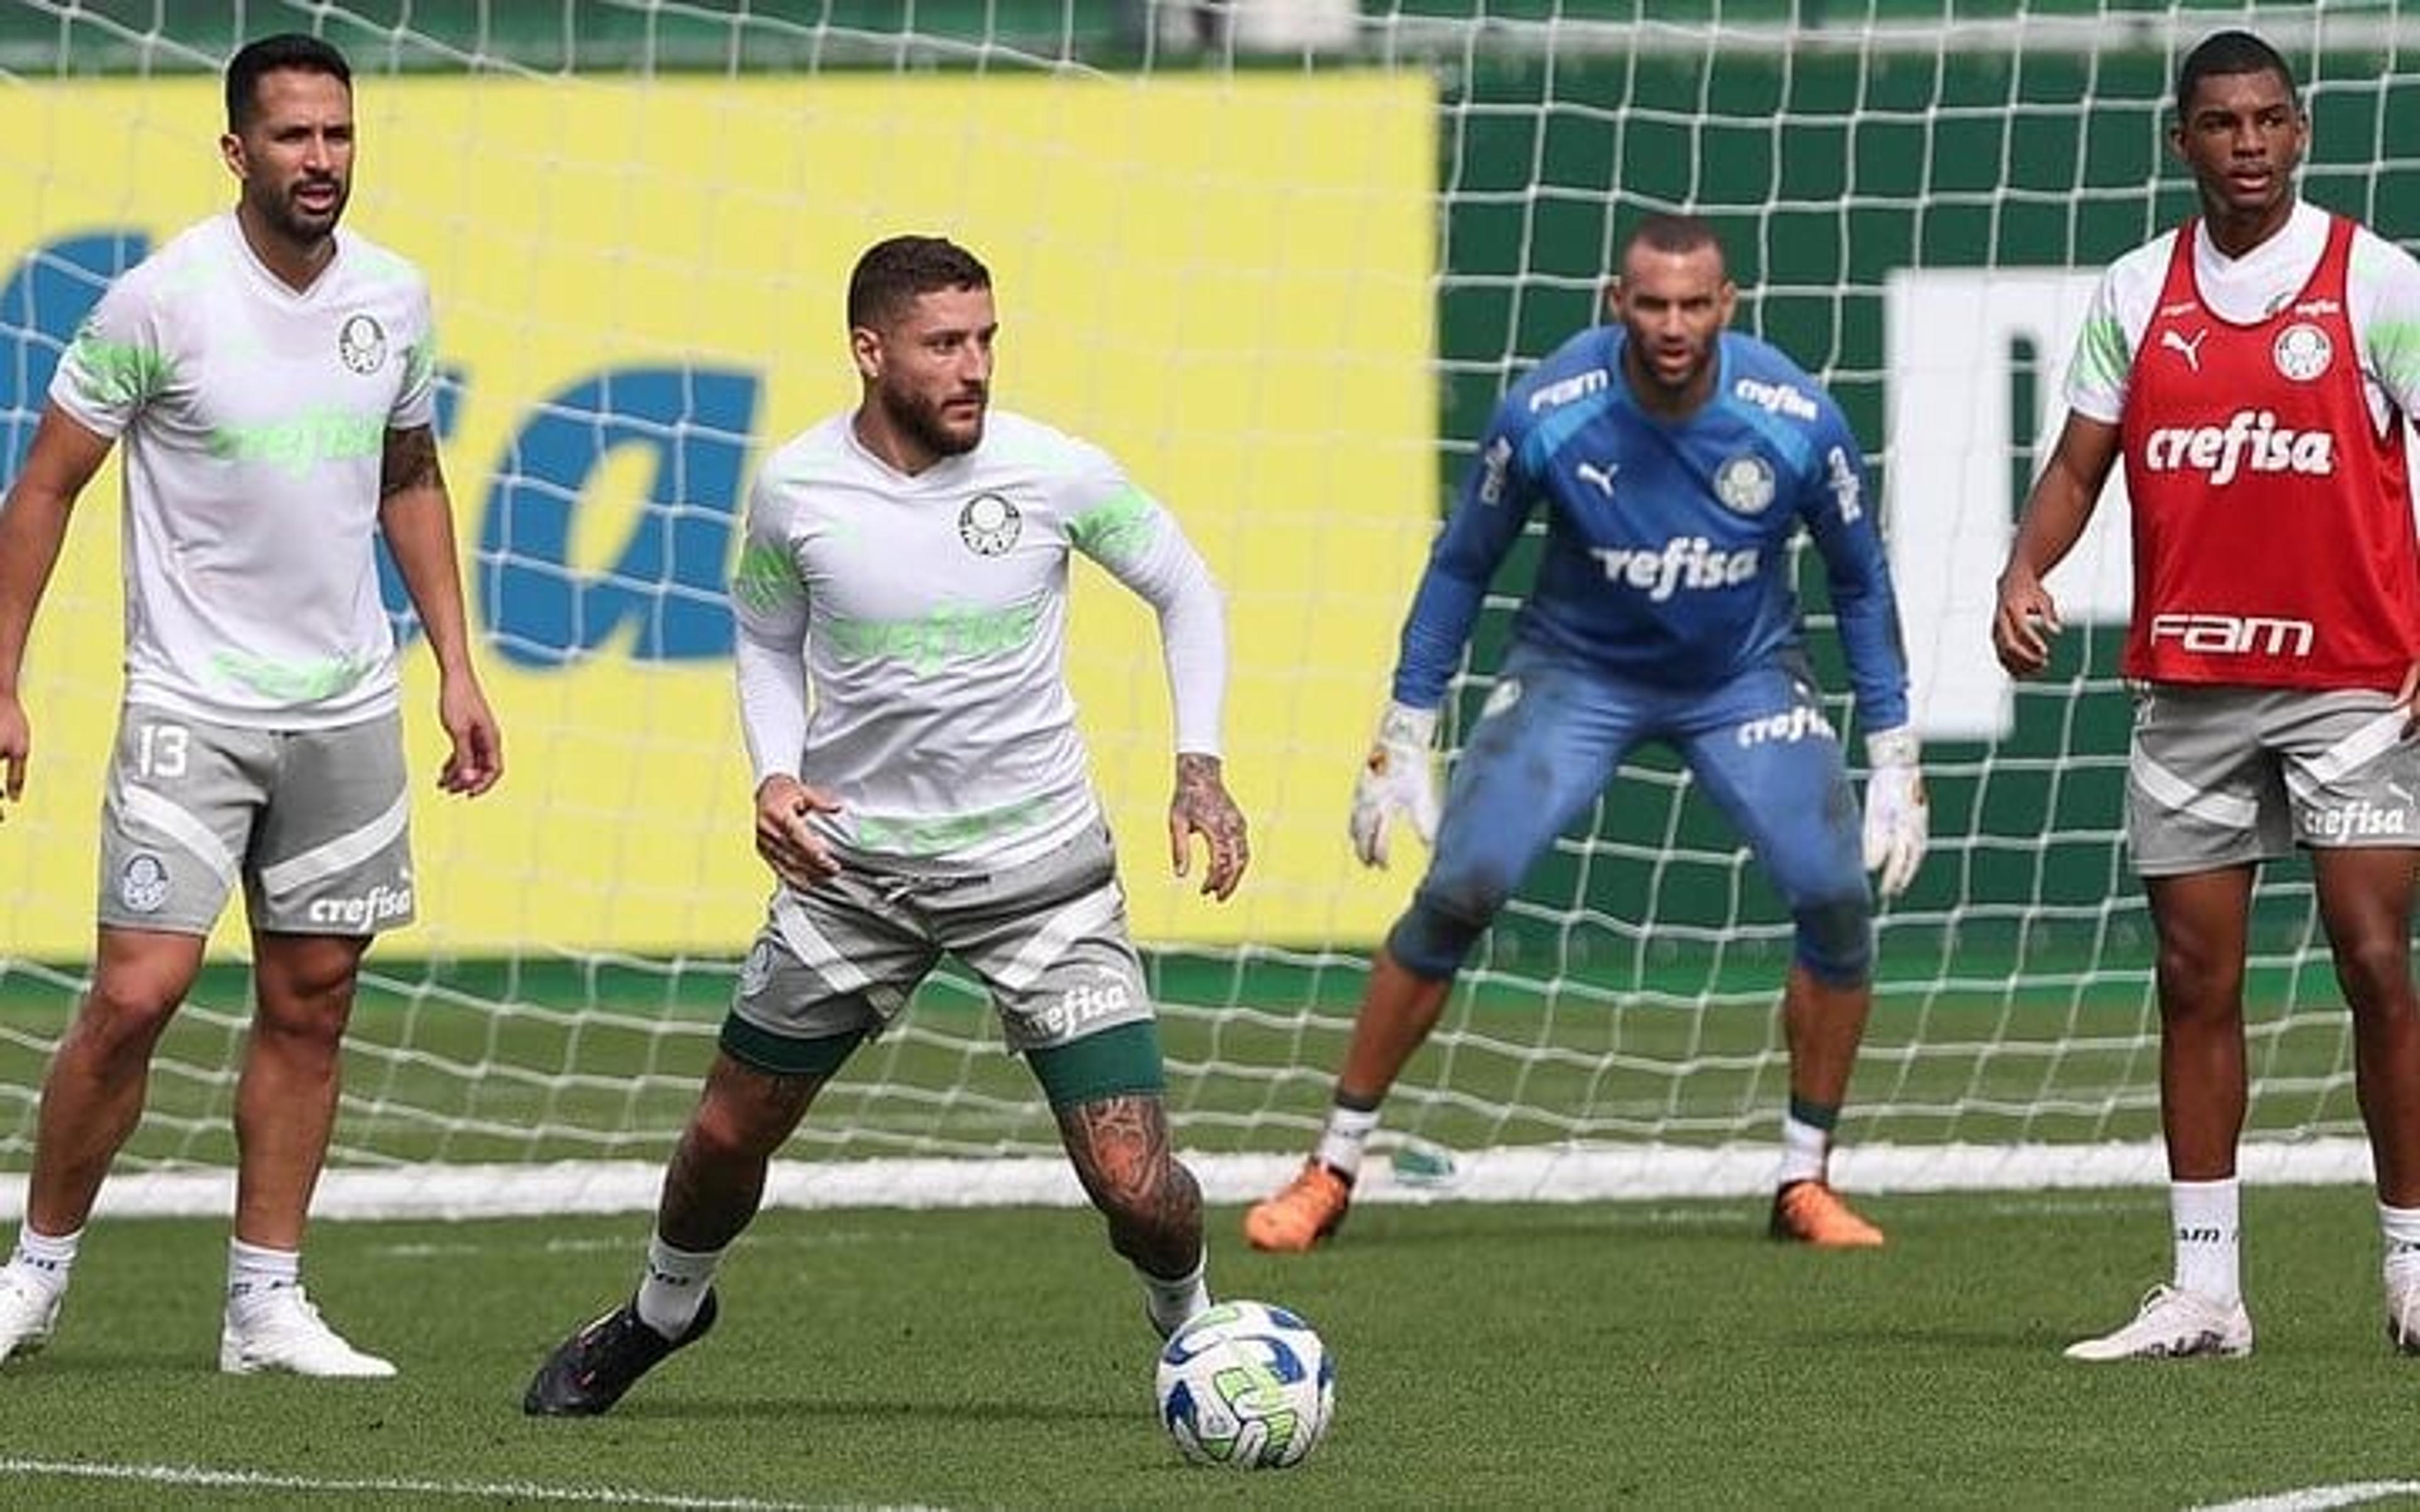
[(1554, 732)]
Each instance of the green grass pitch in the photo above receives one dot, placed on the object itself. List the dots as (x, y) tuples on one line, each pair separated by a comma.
[(1622, 1355)]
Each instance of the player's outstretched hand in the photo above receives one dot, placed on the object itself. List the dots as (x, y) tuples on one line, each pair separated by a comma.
[(1398, 778), (475, 761), (1202, 806), (16, 749), (1897, 812), (785, 839), (2022, 626)]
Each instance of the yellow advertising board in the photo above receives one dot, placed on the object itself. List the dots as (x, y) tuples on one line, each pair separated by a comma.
[(1226, 282)]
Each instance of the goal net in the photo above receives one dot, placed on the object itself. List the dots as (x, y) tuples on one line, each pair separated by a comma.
[(1280, 256)]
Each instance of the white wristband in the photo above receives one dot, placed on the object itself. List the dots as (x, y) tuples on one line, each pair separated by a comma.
[(1891, 748), (1403, 725)]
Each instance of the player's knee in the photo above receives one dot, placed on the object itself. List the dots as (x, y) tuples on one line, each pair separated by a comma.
[(2375, 971), (1435, 934), (748, 1109), (729, 1131), (1836, 939), (124, 1015)]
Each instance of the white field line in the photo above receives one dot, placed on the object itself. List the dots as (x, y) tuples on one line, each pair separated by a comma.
[(2320, 1498), (1552, 1173), (201, 1477)]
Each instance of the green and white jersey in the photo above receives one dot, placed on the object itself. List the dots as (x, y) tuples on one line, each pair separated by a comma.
[(2381, 297), (254, 421), (903, 639)]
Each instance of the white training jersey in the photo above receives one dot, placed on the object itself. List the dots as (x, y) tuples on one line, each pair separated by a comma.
[(254, 418), (2381, 297), (902, 638)]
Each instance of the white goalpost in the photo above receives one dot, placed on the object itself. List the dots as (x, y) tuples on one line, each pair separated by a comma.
[(1280, 256)]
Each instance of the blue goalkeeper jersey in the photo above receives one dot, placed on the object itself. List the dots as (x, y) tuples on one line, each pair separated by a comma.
[(1666, 557)]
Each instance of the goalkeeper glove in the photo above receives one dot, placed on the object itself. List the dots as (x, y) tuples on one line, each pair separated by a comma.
[(1398, 778), (1896, 811)]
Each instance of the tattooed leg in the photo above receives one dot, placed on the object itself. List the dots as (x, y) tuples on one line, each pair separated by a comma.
[(1120, 1149)]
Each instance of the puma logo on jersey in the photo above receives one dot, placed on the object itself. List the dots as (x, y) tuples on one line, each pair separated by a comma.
[(2170, 341), (2251, 442), (1601, 477)]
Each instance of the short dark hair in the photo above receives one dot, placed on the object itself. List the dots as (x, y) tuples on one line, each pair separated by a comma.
[(1669, 232), (268, 54), (2227, 53), (893, 272)]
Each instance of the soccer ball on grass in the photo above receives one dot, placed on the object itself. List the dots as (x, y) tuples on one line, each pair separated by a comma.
[(1246, 1385)]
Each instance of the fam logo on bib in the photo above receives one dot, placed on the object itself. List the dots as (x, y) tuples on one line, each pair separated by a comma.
[(2302, 351), (989, 524), (360, 341)]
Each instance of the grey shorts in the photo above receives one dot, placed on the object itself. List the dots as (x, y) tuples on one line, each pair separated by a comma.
[(2220, 777), (314, 823), (1047, 939)]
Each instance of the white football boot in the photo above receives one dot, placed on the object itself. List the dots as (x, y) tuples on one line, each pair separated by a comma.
[(26, 1316), (282, 1332), (2174, 1325), (2403, 1313)]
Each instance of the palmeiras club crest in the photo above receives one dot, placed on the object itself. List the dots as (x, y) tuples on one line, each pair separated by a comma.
[(143, 883), (1745, 483), (360, 341), (2302, 351), (989, 524)]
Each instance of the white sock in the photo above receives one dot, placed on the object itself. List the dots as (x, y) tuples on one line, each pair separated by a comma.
[(1341, 1143), (1171, 1303), (2400, 1228), (42, 1261), (256, 1272), (2207, 1226), (674, 1287), (1805, 1151)]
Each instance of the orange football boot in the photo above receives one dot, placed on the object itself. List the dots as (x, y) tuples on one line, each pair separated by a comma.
[(1810, 1212), (1307, 1211)]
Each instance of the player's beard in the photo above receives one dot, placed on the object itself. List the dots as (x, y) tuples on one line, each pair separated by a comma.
[(921, 421), (283, 213), (1673, 384)]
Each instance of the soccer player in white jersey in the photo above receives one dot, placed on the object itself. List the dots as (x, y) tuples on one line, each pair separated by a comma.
[(271, 377), (908, 562), (2255, 369)]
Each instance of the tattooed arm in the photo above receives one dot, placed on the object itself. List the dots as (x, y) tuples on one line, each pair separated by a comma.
[(417, 520), (1202, 807)]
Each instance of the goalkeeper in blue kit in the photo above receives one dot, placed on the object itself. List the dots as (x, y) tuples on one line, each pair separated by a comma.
[(1674, 462)]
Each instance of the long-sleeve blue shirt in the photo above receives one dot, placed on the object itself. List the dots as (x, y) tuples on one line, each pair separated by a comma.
[(1666, 552)]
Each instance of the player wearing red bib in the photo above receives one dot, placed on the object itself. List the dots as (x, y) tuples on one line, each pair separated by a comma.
[(2254, 369)]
